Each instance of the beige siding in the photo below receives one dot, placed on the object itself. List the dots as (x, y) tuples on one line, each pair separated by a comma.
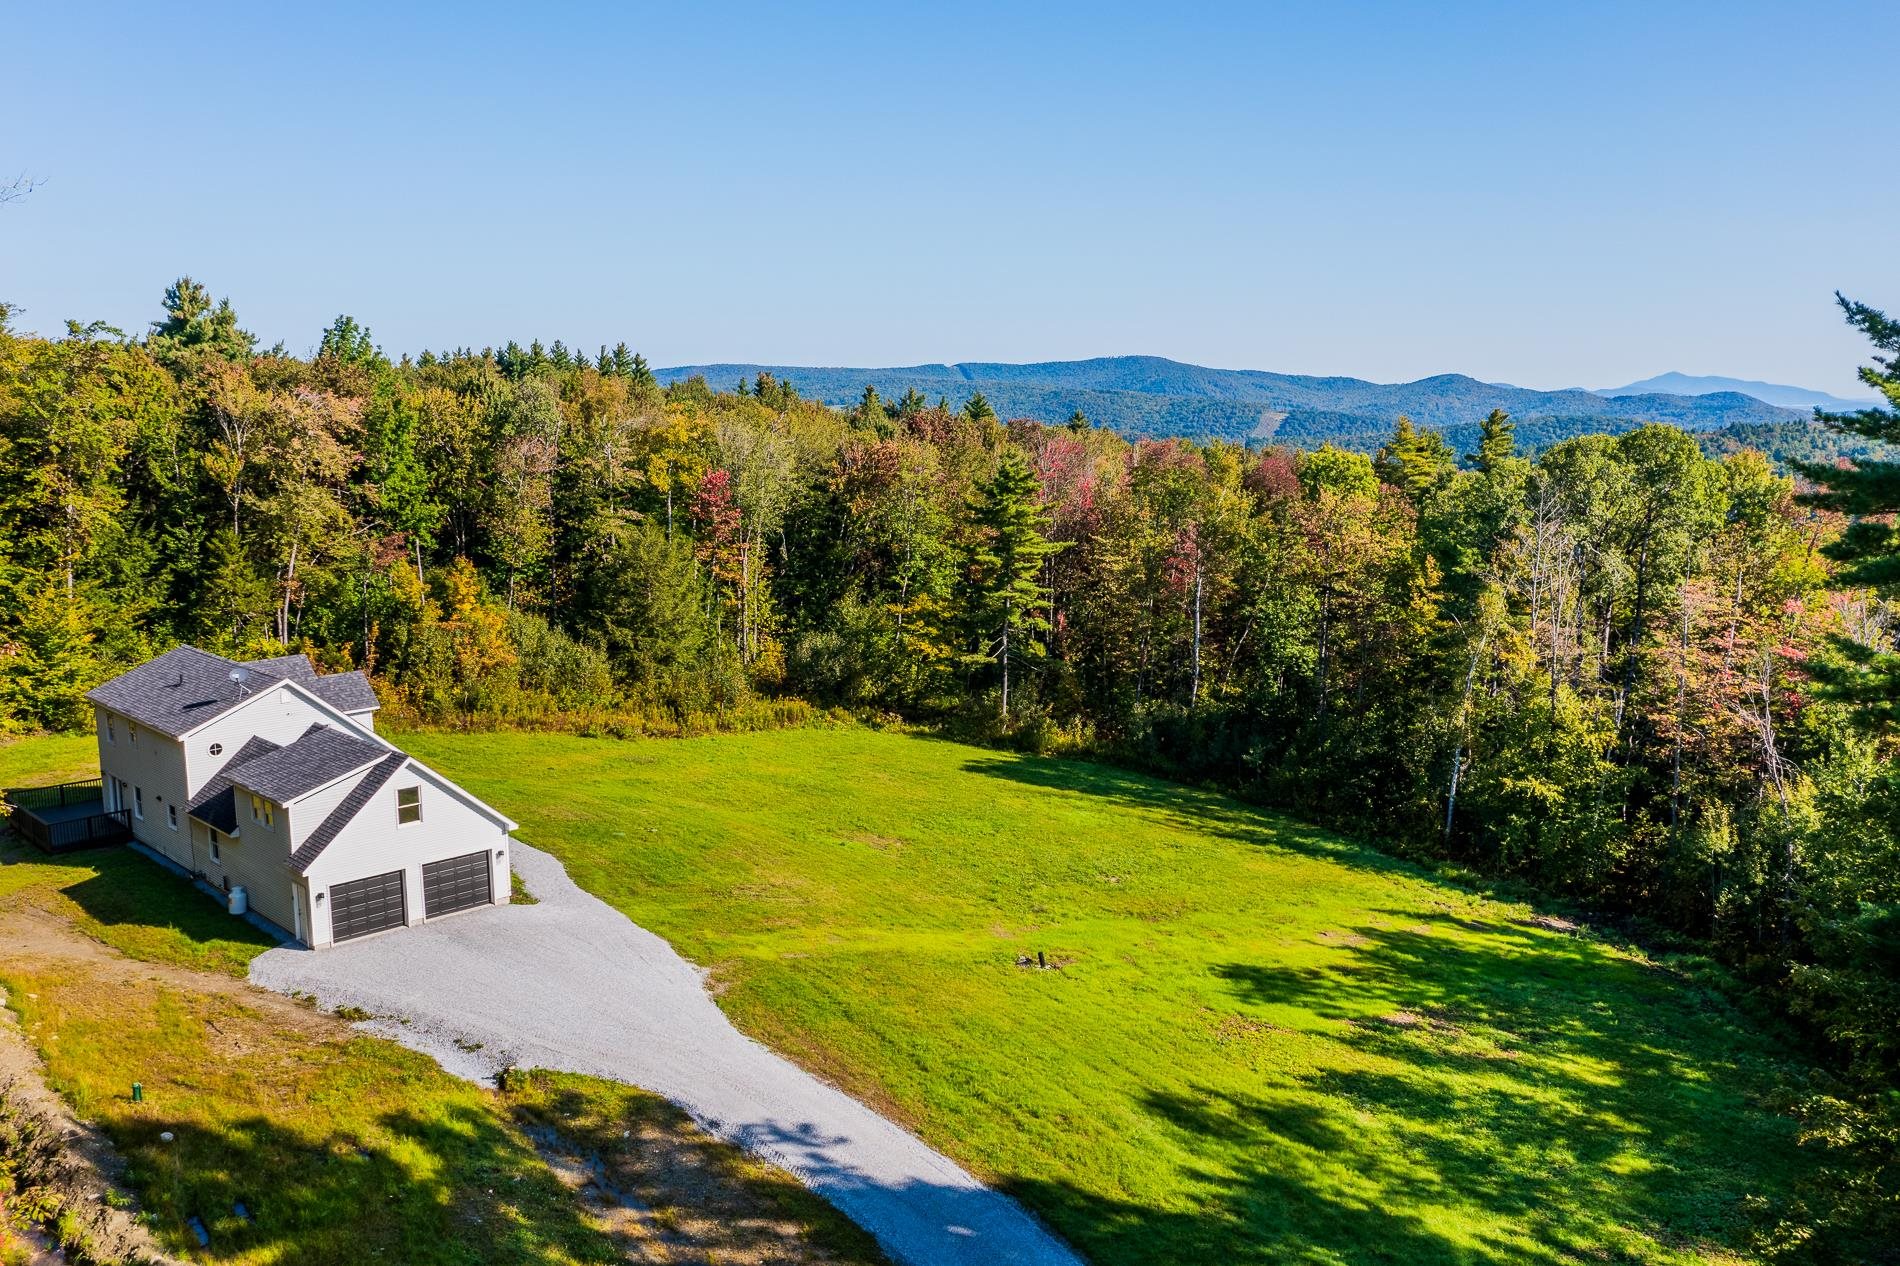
[(155, 764), (374, 843)]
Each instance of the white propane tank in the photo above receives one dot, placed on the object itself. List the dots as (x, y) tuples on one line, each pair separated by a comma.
[(236, 901)]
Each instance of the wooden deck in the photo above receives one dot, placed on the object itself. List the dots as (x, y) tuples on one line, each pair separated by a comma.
[(67, 817)]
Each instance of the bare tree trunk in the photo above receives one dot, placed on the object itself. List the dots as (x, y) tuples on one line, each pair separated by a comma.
[(283, 608), (1458, 752), (1006, 616)]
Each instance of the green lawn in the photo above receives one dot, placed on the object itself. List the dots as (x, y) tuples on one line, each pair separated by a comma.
[(1257, 1042)]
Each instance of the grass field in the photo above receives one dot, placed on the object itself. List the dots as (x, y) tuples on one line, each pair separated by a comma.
[(1255, 1042)]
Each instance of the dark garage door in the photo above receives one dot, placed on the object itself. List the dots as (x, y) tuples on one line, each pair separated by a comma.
[(362, 906), (456, 884)]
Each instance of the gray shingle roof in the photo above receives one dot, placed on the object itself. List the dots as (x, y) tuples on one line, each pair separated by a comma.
[(216, 806), (182, 689), (360, 795), (320, 755), (346, 692), (290, 667)]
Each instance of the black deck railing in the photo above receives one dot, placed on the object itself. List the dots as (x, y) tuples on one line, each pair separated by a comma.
[(34, 814), (57, 796)]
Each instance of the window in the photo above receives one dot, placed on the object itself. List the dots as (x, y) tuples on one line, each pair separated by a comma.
[(408, 805), (215, 855), (217, 749), (112, 730), (263, 811), (132, 732), (171, 816), (138, 803)]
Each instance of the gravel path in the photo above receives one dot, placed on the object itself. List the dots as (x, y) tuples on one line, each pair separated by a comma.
[(572, 984)]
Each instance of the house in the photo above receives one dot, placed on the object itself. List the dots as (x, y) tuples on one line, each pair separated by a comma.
[(268, 777)]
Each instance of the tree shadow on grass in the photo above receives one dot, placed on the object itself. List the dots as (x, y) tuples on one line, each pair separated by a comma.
[(1571, 1099), (447, 1188), (1483, 1091), (1186, 808)]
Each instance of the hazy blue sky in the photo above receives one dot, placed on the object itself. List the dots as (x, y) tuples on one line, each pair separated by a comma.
[(1550, 195)]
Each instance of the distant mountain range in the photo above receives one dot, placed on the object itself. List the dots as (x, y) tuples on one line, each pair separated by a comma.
[(1154, 397), (1768, 392)]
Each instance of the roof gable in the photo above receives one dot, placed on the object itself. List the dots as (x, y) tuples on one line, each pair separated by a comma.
[(354, 803), (216, 806), (318, 757)]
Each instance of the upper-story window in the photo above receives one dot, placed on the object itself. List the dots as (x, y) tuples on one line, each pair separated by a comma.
[(132, 732), (408, 805), (263, 811), (171, 816), (112, 730)]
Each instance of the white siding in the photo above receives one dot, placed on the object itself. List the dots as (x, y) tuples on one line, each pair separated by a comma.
[(276, 714), (374, 843)]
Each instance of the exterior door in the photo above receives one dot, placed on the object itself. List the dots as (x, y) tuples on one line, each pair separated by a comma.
[(459, 883), (362, 906)]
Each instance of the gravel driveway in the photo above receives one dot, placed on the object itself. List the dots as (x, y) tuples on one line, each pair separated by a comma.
[(572, 984)]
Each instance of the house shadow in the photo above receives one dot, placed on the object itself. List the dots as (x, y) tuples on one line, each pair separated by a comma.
[(117, 888)]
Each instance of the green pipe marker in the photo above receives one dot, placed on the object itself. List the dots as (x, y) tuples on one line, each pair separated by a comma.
[(138, 1092)]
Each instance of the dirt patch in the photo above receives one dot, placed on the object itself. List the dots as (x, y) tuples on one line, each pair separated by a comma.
[(882, 843), (1239, 1028), (667, 1191), (1429, 1019), (51, 1150), (1550, 923), (90, 1172), (1352, 939)]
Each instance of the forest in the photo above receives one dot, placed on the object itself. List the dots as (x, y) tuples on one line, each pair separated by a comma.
[(1653, 683)]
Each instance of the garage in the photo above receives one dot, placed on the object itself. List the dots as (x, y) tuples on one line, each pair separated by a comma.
[(458, 883), (362, 906)]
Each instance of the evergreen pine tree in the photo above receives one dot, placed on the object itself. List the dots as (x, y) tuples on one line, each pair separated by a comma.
[(1497, 442), (1868, 492), (1004, 600), (642, 373), (977, 409)]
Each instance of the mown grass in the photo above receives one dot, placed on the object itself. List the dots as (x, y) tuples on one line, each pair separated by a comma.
[(1256, 1042)]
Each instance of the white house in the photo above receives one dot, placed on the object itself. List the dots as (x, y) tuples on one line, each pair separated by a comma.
[(268, 777)]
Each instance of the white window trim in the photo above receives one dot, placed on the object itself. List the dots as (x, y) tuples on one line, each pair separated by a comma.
[(112, 730), (417, 806), (138, 802), (171, 816), (216, 856)]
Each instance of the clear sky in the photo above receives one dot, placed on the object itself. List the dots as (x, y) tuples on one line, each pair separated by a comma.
[(1551, 195)]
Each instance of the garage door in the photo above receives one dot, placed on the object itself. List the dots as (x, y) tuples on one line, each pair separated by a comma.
[(362, 906), (456, 884)]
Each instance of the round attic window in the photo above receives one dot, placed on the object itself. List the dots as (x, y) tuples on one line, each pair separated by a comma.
[(217, 749)]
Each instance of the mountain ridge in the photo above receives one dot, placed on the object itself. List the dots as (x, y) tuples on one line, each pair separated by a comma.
[(1155, 397), (1781, 394)]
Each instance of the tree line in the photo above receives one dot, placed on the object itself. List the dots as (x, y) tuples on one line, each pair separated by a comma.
[(1657, 683)]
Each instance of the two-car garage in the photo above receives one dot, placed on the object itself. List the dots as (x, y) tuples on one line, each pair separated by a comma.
[(378, 903)]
